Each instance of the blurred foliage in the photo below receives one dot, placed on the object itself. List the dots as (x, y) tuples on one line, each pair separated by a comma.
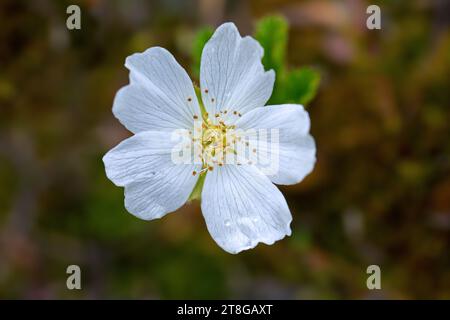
[(272, 34), (296, 86), (200, 40), (301, 85), (379, 194)]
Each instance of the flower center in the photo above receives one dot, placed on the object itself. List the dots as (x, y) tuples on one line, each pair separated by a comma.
[(216, 143)]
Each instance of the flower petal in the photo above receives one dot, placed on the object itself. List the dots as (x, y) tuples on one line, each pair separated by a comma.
[(165, 192), (161, 95), (154, 183), (287, 153), (232, 76), (242, 208)]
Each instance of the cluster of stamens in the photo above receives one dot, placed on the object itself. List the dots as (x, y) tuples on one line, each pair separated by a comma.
[(214, 142)]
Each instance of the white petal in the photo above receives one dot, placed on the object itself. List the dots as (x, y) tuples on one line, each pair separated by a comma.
[(242, 208), (232, 76), (290, 157), (154, 184), (160, 194), (161, 95)]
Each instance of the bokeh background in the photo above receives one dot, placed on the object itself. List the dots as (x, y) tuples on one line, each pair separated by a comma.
[(380, 192)]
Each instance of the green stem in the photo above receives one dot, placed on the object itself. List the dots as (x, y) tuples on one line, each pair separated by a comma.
[(200, 102), (196, 193)]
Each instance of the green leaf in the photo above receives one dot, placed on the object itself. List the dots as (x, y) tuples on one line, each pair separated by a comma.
[(272, 34), (202, 36), (301, 85)]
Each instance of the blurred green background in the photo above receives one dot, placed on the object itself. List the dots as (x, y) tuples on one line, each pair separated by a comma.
[(379, 194)]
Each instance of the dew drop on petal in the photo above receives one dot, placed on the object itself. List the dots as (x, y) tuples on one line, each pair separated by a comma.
[(227, 223)]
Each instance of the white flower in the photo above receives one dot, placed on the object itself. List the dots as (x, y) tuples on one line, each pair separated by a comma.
[(239, 201)]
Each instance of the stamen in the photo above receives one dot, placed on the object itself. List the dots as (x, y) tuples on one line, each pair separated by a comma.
[(216, 141)]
